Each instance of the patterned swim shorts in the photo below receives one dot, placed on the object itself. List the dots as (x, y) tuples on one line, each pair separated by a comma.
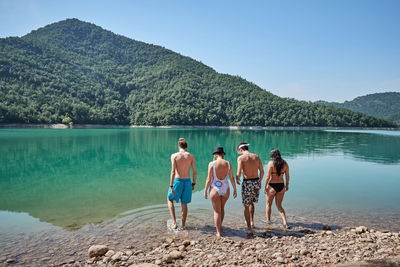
[(250, 191)]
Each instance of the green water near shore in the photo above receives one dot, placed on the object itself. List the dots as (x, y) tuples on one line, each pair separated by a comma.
[(73, 177)]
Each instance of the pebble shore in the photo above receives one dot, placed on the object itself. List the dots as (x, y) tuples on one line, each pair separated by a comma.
[(358, 246)]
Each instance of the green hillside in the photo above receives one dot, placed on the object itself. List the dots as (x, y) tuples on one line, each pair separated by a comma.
[(381, 105), (77, 70)]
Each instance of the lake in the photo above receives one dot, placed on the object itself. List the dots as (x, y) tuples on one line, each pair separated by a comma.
[(69, 178)]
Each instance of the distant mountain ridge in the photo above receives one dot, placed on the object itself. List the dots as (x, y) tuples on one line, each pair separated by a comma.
[(76, 72), (380, 105)]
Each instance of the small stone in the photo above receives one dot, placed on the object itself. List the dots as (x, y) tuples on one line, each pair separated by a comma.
[(167, 258), (124, 258), (97, 250), (361, 229), (11, 260), (128, 252), (158, 262), (280, 260), (326, 227), (110, 253), (117, 256), (106, 259), (45, 259), (277, 255), (175, 254), (181, 248), (304, 252), (186, 243)]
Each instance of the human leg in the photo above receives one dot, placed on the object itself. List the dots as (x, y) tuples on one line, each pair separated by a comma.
[(184, 214), (278, 202), (251, 210), (270, 198), (216, 202), (224, 199), (172, 211)]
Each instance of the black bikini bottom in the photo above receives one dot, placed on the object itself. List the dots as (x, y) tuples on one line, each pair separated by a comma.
[(277, 186)]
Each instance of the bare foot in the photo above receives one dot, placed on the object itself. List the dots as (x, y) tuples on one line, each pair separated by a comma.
[(252, 224), (286, 226), (218, 235)]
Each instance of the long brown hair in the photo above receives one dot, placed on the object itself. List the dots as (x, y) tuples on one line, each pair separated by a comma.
[(279, 163)]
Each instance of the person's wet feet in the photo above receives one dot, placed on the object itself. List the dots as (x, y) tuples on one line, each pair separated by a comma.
[(218, 235), (286, 226)]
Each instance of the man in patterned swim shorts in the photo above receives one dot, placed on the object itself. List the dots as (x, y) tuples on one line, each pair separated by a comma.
[(253, 172)]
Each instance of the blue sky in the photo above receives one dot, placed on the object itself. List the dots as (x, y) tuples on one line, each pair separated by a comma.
[(332, 50)]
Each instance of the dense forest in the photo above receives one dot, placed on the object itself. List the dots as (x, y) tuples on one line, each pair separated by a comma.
[(381, 105), (76, 72)]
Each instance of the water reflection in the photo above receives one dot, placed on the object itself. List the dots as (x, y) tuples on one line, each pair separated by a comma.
[(73, 177)]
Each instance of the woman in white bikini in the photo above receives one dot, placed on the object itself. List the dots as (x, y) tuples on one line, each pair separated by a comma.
[(217, 181)]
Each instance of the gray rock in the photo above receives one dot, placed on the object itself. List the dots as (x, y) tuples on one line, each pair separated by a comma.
[(128, 252), (144, 265), (110, 253), (158, 262), (186, 243), (97, 250), (175, 254), (167, 258), (117, 256), (361, 229), (280, 260)]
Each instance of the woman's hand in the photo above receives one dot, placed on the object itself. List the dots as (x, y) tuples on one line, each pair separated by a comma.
[(287, 187), (234, 193), (205, 193), (266, 188)]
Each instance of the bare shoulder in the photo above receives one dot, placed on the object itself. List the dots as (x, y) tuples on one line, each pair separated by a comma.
[(240, 158), (270, 163), (210, 164), (173, 155)]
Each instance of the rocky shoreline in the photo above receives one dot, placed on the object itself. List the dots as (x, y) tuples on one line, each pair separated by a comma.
[(267, 247)]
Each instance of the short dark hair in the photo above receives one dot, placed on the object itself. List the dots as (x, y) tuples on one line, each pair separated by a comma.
[(182, 143), (243, 147)]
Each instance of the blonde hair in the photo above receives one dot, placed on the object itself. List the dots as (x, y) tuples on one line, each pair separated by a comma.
[(182, 143)]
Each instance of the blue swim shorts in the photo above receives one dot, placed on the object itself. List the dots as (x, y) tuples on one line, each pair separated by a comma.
[(183, 190)]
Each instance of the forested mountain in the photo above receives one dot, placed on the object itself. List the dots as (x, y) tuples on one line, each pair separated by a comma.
[(73, 70), (381, 105)]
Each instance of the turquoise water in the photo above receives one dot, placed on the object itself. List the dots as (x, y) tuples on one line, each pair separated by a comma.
[(72, 177)]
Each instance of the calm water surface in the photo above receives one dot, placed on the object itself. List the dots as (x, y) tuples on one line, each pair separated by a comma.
[(67, 179)]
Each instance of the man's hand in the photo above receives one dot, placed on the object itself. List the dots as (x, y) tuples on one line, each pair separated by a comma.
[(238, 181), (234, 194), (193, 186), (172, 191)]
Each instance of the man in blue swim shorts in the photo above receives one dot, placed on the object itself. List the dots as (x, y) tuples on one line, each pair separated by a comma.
[(180, 187)]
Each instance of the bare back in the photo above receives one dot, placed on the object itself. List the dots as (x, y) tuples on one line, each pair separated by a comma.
[(182, 161), (221, 168), (272, 173), (250, 164)]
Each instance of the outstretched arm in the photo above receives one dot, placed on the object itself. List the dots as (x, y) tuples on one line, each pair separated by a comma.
[(194, 173), (173, 171), (208, 181), (261, 169), (239, 170), (287, 176), (268, 177), (232, 182)]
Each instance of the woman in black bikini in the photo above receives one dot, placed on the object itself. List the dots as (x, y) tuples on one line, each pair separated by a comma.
[(274, 186)]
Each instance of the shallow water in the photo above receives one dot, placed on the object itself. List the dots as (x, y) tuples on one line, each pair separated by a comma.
[(77, 183)]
